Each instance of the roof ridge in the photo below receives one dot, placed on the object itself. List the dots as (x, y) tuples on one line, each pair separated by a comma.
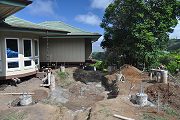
[(67, 25)]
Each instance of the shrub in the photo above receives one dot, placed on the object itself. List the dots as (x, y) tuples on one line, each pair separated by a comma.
[(100, 65), (172, 66)]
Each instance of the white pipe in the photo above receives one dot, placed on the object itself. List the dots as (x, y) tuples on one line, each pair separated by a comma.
[(49, 77), (16, 93), (122, 117)]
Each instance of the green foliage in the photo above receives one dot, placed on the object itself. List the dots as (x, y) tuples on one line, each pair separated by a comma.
[(15, 116), (171, 61), (138, 29), (152, 117), (174, 45), (100, 65), (63, 75), (172, 66), (98, 55), (170, 111)]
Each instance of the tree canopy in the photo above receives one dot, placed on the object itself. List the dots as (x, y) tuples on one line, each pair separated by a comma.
[(137, 30)]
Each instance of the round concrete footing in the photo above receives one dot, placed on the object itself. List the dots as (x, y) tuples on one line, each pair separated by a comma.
[(25, 99), (141, 99)]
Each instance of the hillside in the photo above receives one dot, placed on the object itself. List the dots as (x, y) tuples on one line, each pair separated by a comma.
[(174, 45)]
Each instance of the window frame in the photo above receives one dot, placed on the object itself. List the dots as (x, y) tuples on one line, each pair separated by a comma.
[(30, 58), (12, 59), (36, 57)]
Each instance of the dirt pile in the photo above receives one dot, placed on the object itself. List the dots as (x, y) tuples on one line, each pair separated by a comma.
[(169, 94), (132, 73)]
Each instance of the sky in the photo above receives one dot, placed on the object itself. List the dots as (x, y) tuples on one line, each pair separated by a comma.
[(84, 14)]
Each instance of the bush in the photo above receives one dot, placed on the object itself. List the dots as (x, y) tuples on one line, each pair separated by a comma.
[(172, 66), (171, 61), (100, 65)]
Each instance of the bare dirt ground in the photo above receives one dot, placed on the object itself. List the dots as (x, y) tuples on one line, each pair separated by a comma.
[(85, 100)]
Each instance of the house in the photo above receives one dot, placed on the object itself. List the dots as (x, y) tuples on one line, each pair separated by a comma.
[(25, 46)]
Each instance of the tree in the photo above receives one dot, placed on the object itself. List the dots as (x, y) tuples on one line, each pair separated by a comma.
[(138, 29)]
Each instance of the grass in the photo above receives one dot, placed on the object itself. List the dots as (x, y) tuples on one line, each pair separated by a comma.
[(170, 111), (63, 75), (15, 116), (152, 117), (64, 79)]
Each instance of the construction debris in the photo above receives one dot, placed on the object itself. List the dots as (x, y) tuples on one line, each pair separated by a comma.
[(169, 94), (122, 117)]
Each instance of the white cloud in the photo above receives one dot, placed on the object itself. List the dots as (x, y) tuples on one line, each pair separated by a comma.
[(89, 18), (43, 8), (100, 4), (176, 33)]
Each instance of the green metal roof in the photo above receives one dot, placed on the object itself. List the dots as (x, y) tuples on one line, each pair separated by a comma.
[(20, 23), (60, 25), (67, 30)]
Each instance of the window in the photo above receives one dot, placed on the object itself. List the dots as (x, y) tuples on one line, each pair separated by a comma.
[(27, 63), (36, 48), (13, 64), (12, 48), (12, 53), (27, 48), (37, 61)]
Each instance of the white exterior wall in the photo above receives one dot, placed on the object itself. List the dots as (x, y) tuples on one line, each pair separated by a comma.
[(63, 50), (21, 70)]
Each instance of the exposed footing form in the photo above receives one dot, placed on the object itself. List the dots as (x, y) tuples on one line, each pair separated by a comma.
[(25, 99), (141, 99)]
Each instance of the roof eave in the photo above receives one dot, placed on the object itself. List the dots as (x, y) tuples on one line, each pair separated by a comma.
[(94, 37), (13, 7), (33, 30), (17, 3)]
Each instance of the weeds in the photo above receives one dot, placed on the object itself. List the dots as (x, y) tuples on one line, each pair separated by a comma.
[(15, 116), (152, 117), (63, 75), (170, 111), (64, 79)]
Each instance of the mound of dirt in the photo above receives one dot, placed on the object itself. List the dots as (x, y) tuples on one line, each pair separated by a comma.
[(132, 73), (169, 94)]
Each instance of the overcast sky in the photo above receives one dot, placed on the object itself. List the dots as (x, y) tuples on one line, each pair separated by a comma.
[(84, 14)]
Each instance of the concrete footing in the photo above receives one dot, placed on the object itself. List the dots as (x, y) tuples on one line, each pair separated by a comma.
[(25, 99), (62, 68), (141, 99)]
